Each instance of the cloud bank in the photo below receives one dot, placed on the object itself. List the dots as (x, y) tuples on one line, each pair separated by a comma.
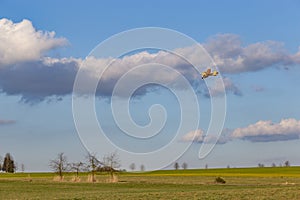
[(35, 81), (261, 131), (231, 57), (26, 71)]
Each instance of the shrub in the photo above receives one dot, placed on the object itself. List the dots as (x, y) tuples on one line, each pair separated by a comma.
[(220, 180)]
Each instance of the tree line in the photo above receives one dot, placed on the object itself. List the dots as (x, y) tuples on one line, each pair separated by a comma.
[(110, 163), (177, 166), (285, 164)]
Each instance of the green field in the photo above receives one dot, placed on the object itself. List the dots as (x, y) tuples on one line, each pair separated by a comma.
[(241, 183)]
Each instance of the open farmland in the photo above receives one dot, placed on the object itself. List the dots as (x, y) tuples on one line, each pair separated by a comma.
[(241, 183)]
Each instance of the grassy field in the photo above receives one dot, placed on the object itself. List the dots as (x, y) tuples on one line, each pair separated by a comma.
[(241, 183)]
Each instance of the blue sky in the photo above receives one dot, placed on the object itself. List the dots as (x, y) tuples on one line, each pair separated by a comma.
[(255, 45)]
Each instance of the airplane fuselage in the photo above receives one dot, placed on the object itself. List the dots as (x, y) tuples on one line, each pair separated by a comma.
[(208, 73)]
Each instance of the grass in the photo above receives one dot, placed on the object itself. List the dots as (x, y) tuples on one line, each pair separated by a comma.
[(247, 183), (258, 172)]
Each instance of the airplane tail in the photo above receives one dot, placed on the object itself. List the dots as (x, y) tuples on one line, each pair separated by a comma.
[(215, 73)]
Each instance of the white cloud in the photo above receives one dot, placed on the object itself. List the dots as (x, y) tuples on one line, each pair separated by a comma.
[(224, 45), (195, 136), (295, 58), (263, 131), (141, 66), (20, 42), (231, 57), (198, 136)]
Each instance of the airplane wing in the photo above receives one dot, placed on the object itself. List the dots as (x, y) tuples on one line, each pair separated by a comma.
[(208, 73)]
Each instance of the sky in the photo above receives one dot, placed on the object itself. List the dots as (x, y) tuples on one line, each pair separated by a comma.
[(149, 100)]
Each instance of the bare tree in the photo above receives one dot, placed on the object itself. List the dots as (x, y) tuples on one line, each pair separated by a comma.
[(261, 165), (142, 167), (132, 166), (287, 163), (273, 165), (22, 167), (59, 165), (112, 162), (176, 166), (184, 165), (77, 167), (206, 166), (93, 164), (16, 166)]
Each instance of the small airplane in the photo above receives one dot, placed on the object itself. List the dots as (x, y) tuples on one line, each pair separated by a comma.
[(208, 73)]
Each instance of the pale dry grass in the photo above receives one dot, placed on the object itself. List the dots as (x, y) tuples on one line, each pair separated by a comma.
[(76, 179), (58, 178), (113, 179), (91, 179)]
